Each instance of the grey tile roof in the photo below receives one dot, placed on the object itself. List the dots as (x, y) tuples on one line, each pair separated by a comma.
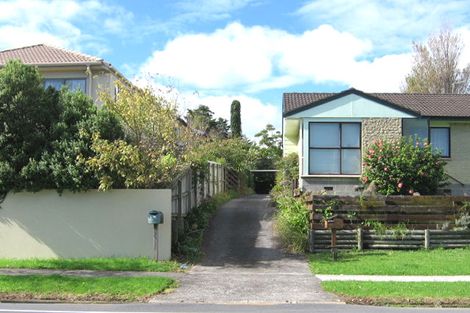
[(428, 105), (46, 55)]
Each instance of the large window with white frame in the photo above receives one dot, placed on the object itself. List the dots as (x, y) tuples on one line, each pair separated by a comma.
[(74, 84), (334, 148)]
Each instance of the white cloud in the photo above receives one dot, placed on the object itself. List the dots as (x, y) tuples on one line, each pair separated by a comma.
[(259, 58), (389, 24), (67, 23)]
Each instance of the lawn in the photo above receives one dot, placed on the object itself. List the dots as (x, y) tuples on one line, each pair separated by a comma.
[(421, 262), (68, 288), (450, 294), (97, 264)]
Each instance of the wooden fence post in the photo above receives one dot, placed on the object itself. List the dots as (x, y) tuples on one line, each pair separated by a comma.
[(360, 245), (427, 239), (311, 240)]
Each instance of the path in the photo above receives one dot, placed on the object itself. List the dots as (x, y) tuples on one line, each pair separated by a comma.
[(244, 264)]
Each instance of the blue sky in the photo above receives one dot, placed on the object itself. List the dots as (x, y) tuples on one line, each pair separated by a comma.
[(213, 51)]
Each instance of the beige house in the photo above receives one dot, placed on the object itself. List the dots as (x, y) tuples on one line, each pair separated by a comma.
[(63, 67), (331, 131)]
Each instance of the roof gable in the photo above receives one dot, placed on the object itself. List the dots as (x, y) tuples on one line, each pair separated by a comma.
[(350, 103), (47, 55)]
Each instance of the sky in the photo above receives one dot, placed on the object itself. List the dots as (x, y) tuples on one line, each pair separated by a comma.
[(214, 51)]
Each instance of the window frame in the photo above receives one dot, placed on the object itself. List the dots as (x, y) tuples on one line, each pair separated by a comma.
[(64, 80), (340, 148), (448, 139)]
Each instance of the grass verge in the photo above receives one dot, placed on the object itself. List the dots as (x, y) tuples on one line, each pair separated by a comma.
[(421, 262), (97, 264), (402, 293), (71, 288)]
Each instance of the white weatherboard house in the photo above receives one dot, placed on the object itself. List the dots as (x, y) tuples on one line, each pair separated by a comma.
[(60, 67), (331, 131)]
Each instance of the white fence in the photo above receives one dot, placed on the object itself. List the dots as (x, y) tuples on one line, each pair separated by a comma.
[(86, 224)]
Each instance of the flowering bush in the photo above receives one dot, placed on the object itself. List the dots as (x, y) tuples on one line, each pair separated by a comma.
[(403, 167)]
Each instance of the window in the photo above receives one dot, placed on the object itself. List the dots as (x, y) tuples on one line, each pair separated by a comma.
[(415, 127), (440, 140), (73, 84), (334, 148)]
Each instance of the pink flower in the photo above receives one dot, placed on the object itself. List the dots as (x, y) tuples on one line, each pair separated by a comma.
[(385, 169), (411, 191), (365, 179), (371, 151), (400, 185)]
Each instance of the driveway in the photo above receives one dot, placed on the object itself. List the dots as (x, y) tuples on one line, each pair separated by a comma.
[(243, 263)]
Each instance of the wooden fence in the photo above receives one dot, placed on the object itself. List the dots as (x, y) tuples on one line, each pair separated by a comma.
[(191, 188), (393, 222), (320, 240), (416, 212)]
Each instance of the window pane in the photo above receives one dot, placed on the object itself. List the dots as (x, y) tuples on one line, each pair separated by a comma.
[(54, 83), (415, 127), (324, 135), (76, 84), (350, 135), (440, 140), (351, 161), (324, 161)]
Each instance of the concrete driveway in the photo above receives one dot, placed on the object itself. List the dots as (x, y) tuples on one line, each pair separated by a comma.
[(244, 264)]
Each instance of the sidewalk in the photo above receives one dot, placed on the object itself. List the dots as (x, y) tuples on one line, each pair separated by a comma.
[(87, 273), (459, 278)]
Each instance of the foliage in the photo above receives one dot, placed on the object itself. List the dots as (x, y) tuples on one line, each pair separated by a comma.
[(270, 150), (188, 247), (288, 168), (155, 146), (235, 119), (436, 66), (403, 167), (292, 223), (202, 119), (46, 134), (236, 153), (462, 221), (328, 212)]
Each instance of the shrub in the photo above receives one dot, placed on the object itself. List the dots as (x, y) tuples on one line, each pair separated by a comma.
[(292, 223), (403, 167)]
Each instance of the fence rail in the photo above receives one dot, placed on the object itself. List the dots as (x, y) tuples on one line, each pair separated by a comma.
[(320, 240)]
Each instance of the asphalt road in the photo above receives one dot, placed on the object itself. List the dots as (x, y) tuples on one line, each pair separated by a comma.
[(209, 308)]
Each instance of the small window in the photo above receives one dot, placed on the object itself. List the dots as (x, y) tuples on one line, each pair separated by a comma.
[(440, 140), (414, 127), (74, 84)]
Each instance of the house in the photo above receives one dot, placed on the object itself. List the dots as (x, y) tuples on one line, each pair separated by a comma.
[(331, 131), (60, 67)]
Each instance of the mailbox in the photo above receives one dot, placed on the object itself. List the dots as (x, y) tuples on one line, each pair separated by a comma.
[(155, 217)]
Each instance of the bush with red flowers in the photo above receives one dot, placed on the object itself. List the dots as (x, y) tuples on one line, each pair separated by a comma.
[(403, 167)]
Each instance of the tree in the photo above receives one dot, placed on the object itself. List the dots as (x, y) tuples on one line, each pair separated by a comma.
[(202, 119), (46, 135), (270, 150), (436, 66), (235, 119)]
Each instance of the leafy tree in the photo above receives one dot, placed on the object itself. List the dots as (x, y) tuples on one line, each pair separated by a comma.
[(46, 135), (202, 119), (27, 116), (235, 119), (436, 66), (155, 149), (270, 150)]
